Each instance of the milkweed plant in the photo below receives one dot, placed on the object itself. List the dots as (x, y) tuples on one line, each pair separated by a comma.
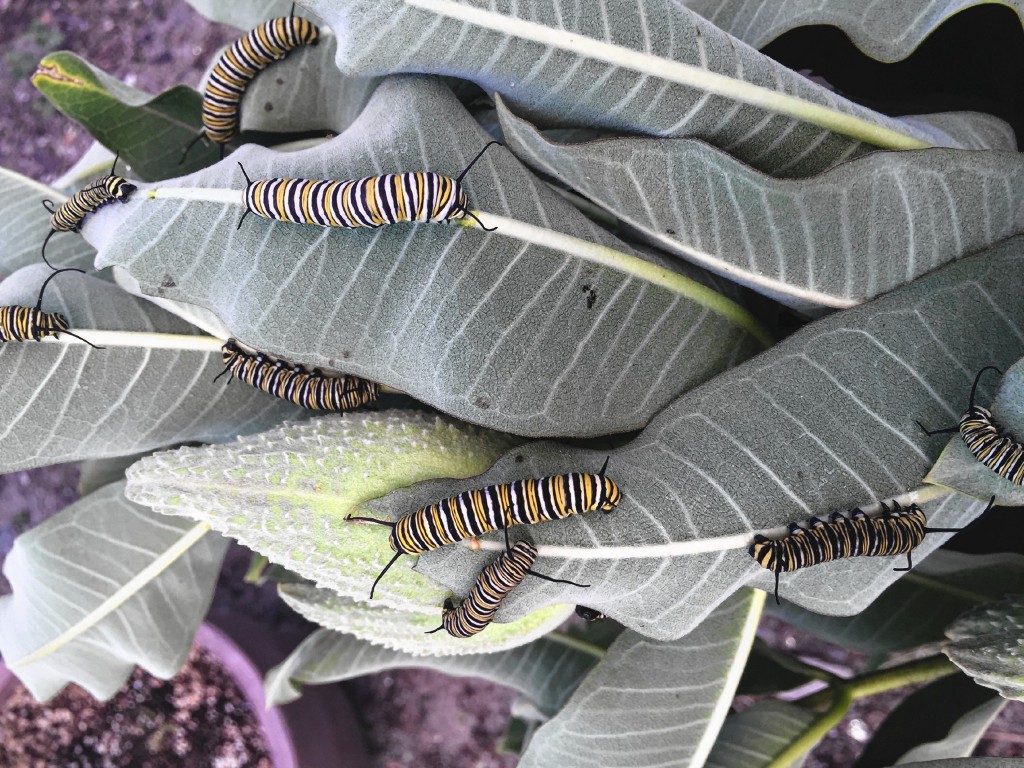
[(663, 194)]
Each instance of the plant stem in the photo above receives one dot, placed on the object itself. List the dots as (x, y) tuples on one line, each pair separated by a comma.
[(840, 695), (793, 664)]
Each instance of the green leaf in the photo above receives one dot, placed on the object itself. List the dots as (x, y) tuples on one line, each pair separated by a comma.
[(411, 631), (245, 14), (822, 422), (494, 328), (945, 718), (285, 493), (770, 671), (650, 68), (916, 609), (150, 131), (958, 469), (888, 32), (753, 737), (96, 473), (101, 587), (988, 644), (24, 224), (547, 670), (846, 235), (663, 700), (66, 402)]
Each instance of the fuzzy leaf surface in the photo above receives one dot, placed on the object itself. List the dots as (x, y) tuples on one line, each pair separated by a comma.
[(486, 327), (917, 609), (988, 644), (832, 240), (24, 224), (653, 703), (285, 493), (753, 737), (244, 14), (547, 670), (407, 630), (887, 32), (958, 469), (65, 570), (822, 422), (64, 402), (555, 87)]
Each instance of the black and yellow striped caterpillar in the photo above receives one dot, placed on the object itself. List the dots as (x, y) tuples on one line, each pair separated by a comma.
[(492, 585), (236, 68), (987, 441), (498, 507), (68, 217), (31, 323), (895, 531), (310, 389), (369, 202)]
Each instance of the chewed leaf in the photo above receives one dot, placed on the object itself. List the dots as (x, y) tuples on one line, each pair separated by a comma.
[(846, 235), (407, 631), (547, 670), (548, 326), (286, 493), (101, 587), (958, 469)]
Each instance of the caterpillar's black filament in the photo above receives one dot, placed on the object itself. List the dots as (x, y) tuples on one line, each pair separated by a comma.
[(369, 202), (68, 217), (498, 507)]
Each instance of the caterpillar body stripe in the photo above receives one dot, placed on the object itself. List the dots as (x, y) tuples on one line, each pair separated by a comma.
[(31, 323), (987, 441), (248, 56), (896, 531), (373, 201), (68, 217), (498, 507), (310, 389), (492, 586)]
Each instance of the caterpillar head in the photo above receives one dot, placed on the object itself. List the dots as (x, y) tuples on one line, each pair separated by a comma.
[(608, 494), (309, 33), (48, 324)]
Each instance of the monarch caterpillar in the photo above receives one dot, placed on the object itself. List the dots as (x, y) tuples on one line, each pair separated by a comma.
[(492, 585), (895, 531), (498, 507), (589, 614), (987, 441), (310, 389), (238, 65), (70, 215), (31, 323), (369, 202)]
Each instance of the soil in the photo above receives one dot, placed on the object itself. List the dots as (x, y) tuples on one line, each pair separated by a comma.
[(196, 719)]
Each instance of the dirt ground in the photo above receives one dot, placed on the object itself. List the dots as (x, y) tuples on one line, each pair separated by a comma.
[(409, 717)]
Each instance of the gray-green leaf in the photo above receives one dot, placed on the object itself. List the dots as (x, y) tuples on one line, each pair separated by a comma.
[(853, 232), (653, 703), (822, 422), (490, 328), (988, 644), (561, 87), (24, 224), (64, 402), (84, 608), (547, 670)]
